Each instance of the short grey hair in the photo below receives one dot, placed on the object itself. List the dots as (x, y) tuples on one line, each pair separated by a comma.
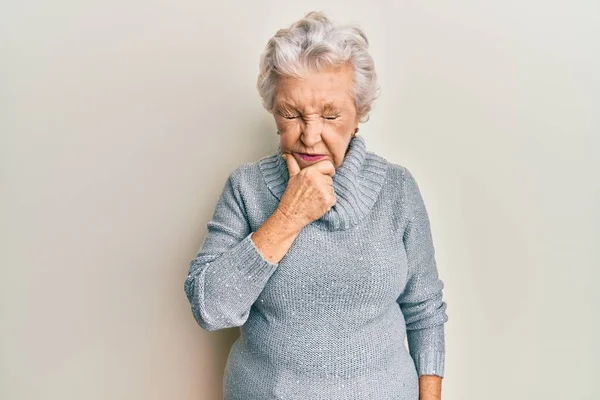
[(314, 43)]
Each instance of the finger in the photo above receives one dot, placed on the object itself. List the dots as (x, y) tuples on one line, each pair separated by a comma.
[(292, 164), (327, 180), (325, 167)]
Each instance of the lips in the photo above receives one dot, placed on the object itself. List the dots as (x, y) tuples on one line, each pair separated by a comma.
[(311, 157)]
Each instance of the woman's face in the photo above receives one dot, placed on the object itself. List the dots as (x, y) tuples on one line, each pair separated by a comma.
[(316, 115)]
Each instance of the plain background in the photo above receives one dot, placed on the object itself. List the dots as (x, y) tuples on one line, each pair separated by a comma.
[(121, 120)]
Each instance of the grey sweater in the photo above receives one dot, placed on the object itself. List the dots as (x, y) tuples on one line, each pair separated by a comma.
[(330, 319)]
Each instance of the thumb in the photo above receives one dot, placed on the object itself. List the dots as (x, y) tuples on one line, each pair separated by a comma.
[(292, 164)]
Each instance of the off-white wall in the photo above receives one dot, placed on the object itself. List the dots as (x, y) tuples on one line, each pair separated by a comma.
[(120, 121)]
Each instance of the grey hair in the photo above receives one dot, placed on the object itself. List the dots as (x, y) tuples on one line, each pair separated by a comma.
[(314, 43)]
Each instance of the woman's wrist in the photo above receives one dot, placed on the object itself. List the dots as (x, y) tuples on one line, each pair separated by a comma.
[(275, 236), (287, 220), (430, 387)]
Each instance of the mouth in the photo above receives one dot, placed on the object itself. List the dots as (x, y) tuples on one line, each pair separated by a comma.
[(310, 157)]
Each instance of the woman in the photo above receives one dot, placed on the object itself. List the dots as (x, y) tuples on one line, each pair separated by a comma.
[(322, 252)]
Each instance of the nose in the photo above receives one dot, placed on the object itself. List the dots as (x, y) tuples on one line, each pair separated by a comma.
[(311, 132)]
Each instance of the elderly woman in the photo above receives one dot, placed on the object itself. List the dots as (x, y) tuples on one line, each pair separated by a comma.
[(322, 251)]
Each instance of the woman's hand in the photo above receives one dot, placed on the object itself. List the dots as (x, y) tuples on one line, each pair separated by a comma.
[(430, 387), (309, 193)]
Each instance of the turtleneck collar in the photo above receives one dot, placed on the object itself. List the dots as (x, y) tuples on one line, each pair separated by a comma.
[(357, 183)]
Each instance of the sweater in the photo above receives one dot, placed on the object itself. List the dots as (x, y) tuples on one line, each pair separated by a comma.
[(330, 319)]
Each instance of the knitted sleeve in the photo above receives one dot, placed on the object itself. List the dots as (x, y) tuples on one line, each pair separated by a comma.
[(421, 301), (228, 273)]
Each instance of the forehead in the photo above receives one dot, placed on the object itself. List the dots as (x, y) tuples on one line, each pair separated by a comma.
[(328, 88)]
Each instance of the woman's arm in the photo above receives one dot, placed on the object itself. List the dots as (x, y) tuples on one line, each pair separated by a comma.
[(229, 272), (421, 301), (275, 236)]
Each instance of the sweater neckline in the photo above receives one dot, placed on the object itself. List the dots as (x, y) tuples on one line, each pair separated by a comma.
[(357, 184)]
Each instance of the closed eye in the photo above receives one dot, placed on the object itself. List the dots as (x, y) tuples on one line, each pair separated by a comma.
[(291, 117), (331, 117)]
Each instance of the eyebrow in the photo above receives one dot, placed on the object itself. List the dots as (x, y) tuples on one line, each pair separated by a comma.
[(326, 107), (330, 107), (284, 105)]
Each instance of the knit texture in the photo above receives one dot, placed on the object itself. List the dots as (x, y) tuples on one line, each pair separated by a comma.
[(329, 321)]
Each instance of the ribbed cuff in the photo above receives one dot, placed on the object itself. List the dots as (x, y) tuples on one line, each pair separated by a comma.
[(430, 363), (251, 263)]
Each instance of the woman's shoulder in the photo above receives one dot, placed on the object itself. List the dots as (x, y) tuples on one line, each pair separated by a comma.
[(399, 178), (243, 174), (250, 176), (394, 171)]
